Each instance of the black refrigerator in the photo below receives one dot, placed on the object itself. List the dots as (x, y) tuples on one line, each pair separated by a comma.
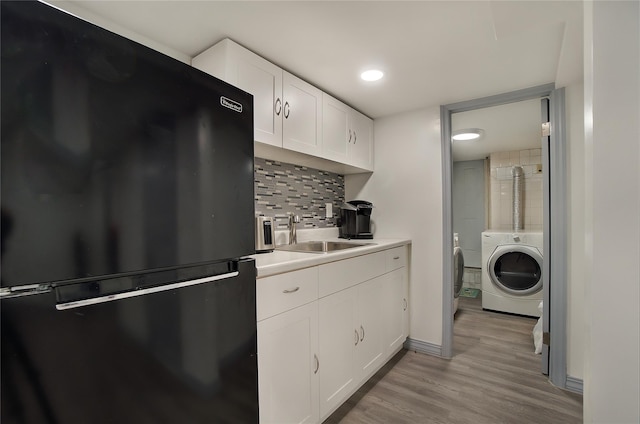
[(127, 294)]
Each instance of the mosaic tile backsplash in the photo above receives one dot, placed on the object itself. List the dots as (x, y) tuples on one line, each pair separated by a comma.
[(282, 187)]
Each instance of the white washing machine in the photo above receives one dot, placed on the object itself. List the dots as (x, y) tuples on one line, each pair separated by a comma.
[(512, 272), (458, 271)]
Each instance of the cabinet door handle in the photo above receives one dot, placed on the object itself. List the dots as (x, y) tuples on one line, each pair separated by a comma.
[(278, 106), (405, 304), (317, 363), (362, 336), (355, 137), (357, 337), (350, 135), (291, 290), (286, 110)]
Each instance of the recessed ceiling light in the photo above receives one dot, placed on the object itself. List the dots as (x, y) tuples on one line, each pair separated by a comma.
[(467, 134), (371, 75)]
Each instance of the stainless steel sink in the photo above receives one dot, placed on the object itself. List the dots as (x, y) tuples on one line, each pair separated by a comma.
[(321, 246)]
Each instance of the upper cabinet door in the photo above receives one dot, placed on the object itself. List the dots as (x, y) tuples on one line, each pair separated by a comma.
[(335, 129), (291, 113), (264, 80), (302, 116), (361, 142), (240, 67)]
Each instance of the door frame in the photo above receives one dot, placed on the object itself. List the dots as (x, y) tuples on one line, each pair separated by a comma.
[(554, 220)]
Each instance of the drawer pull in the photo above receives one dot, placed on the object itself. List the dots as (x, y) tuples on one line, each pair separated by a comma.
[(291, 290), (395, 258)]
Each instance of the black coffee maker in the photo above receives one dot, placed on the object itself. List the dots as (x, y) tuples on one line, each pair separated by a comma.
[(355, 220)]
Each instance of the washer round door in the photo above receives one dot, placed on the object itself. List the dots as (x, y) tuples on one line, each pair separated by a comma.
[(516, 269)]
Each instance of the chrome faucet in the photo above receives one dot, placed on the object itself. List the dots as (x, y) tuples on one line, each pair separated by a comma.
[(293, 219)]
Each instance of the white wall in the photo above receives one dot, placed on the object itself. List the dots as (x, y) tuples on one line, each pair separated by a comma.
[(612, 166), (406, 190), (78, 11)]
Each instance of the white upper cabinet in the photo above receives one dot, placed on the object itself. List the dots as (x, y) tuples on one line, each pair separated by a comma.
[(238, 66), (335, 129), (302, 116), (287, 110), (263, 79), (292, 114), (361, 145), (347, 135)]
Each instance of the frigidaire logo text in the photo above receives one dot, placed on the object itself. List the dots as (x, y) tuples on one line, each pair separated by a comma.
[(230, 104)]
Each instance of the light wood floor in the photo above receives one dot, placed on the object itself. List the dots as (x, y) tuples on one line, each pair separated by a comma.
[(494, 377)]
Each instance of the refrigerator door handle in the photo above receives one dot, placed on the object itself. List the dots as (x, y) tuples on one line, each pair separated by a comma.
[(142, 292), (26, 290)]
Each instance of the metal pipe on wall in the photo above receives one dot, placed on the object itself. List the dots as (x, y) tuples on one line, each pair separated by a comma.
[(518, 201)]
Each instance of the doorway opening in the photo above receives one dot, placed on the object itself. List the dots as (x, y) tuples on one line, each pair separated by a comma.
[(553, 223)]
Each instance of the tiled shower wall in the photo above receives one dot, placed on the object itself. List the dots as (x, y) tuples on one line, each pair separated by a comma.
[(500, 208), (282, 187)]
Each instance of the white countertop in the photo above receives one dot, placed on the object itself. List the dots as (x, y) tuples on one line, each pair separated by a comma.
[(280, 261)]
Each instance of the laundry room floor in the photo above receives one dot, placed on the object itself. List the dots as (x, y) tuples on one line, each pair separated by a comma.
[(494, 377)]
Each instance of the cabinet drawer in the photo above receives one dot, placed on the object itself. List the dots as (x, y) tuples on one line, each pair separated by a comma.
[(339, 275), (396, 258), (283, 292)]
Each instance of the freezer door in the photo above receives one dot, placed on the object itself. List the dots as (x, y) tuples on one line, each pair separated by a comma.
[(115, 158)]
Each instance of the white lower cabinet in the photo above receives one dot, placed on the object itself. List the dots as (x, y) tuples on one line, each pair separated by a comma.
[(288, 366), (313, 356), (357, 326), (395, 311), (339, 338), (370, 350), (288, 363)]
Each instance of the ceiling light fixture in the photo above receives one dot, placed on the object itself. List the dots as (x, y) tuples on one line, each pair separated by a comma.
[(372, 75), (467, 134)]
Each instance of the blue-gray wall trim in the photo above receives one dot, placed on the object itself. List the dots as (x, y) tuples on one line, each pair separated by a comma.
[(575, 385), (557, 241), (447, 237), (423, 347)]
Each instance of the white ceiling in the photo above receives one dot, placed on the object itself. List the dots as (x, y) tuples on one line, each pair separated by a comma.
[(433, 52), (514, 126)]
